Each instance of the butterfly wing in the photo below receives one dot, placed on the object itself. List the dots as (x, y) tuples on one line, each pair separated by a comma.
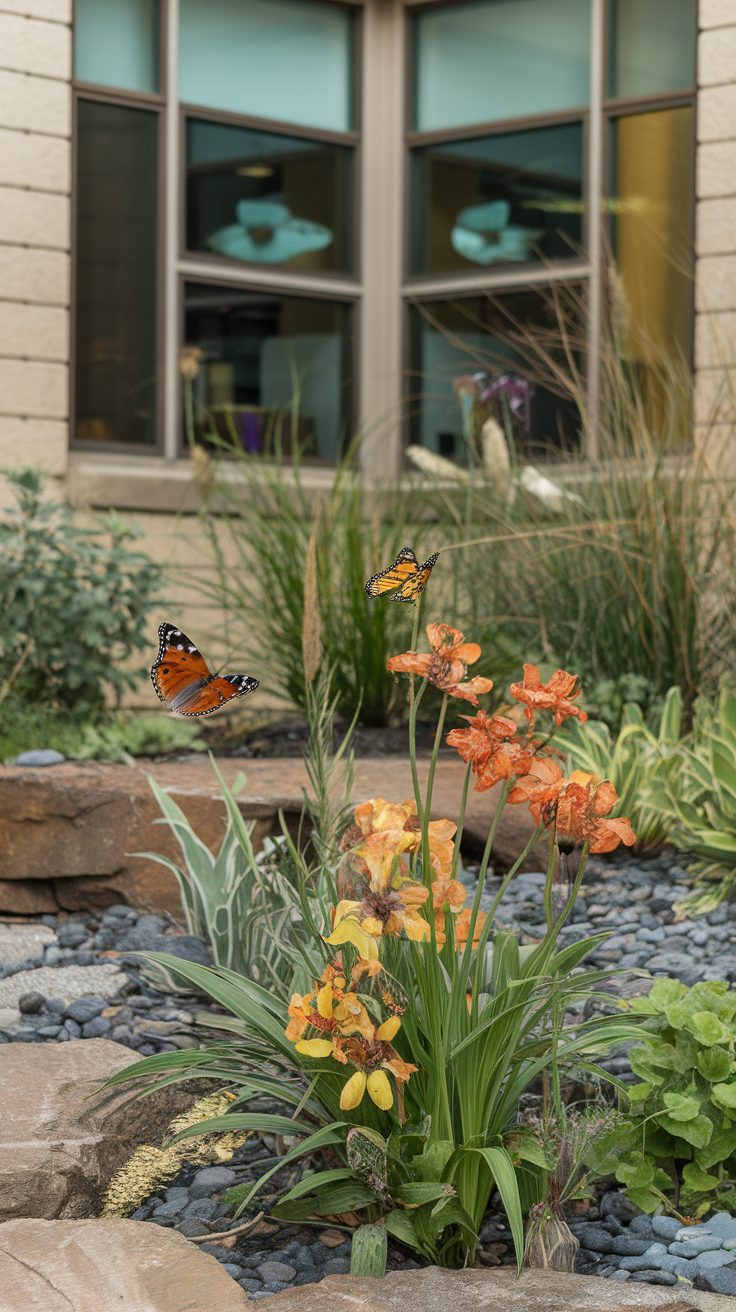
[(413, 587), (216, 693), (394, 576), (183, 681), (179, 666)]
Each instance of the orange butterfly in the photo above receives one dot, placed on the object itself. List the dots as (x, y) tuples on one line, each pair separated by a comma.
[(182, 679), (406, 575)]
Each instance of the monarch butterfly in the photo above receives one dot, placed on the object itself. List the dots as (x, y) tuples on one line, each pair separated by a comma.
[(183, 681), (406, 575)]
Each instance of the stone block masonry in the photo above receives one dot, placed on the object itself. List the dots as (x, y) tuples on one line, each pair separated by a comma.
[(35, 238), (715, 268)]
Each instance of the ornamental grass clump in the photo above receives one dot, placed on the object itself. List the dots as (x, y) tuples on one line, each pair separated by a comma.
[(396, 1063)]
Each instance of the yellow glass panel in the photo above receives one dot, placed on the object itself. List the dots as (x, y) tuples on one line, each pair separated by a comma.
[(654, 228)]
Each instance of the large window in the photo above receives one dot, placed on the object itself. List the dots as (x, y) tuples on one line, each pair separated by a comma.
[(537, 140), (216, 183), (238, 225)]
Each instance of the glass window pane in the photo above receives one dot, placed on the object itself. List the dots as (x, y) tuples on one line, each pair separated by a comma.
[(651, 45), (278, 59), (117, 172), (498, 59), (454, 339), (652, 183), (489, 201), (116, 43), (263, 198), (271, 366)]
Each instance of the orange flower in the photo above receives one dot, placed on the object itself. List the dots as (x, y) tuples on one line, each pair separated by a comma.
[(446, 665), (540, 788), (492, 746), (583, 804), (462, 927), (398, 819), (557, 696)]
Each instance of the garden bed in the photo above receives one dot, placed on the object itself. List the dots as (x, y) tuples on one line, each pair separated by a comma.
[(632, 899)]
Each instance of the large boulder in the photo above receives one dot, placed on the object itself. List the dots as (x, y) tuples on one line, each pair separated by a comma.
[(95, 1266), (62, 1141), (487, 1291)]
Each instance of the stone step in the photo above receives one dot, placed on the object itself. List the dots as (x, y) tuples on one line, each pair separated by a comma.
[(433, 1289), (95, 1266), (68, 832), (60, 1145)]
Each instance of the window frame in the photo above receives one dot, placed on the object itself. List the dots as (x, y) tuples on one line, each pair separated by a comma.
[(175, 264), (591, 270)]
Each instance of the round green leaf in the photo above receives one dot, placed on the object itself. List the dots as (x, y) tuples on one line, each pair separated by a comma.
[(707, 1028), (698, 1180), (715, 1064)]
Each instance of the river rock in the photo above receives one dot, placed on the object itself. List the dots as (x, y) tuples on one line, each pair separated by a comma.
[(96, 1265)]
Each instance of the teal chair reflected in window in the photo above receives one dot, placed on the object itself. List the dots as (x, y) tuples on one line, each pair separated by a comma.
[(268, 233), (483, 234)]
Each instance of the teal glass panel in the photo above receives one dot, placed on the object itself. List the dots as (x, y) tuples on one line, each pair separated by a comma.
[(274, 369), (495, 201), (274, 59), (499, 59), (453, 339), (116, 43), (116, 302), (268, 199), (651, 47)]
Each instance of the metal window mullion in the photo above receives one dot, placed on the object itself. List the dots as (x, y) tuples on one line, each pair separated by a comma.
[(171, 235), (504, 280), (595, 212)]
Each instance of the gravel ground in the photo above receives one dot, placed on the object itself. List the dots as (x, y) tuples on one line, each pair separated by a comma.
[(61, 993)]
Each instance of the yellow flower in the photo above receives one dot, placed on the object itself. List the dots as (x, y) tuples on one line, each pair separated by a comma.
[(315, 1047), (380, 1090), (389, 1029), (391, 901), (352, 1092)]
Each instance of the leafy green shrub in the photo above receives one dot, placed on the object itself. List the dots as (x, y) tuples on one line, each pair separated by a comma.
[(607, 699), (74, 603), (699, 798), (636, 762), (682, 1130)]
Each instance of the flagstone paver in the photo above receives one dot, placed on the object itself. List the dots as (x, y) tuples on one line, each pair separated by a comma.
[(98, 1265)]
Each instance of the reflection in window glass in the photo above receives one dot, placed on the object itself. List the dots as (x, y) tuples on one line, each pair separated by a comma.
[(652, 46), (450, 339), (498, 59), (116, 43), (274, 368), (117, 170), (652, 183), (498, 200), (278, 59), (263, 198)]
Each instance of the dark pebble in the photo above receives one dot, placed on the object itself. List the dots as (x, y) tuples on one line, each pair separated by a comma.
[(72, 1028), (49, 1031), (203, 1208), (191, 1226), (85, 1009), (30, 1003), (655, 1277), (95, 1028), (721, 1280), (337, 1266)]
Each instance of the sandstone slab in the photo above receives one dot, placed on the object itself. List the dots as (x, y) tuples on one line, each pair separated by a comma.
[(60, 1141), (433, 1290), (74, 828), (95, 1266)]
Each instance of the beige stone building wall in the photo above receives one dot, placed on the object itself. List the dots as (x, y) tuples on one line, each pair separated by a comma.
[(35, 221), (715, 228)]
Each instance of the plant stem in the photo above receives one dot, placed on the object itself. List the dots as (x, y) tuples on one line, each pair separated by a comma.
[(549, 914), (426, 869), (414, 700), (461, 822)]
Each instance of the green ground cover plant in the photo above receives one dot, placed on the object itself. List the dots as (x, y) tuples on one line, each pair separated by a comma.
[(678, 1145), (412, 1025)]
